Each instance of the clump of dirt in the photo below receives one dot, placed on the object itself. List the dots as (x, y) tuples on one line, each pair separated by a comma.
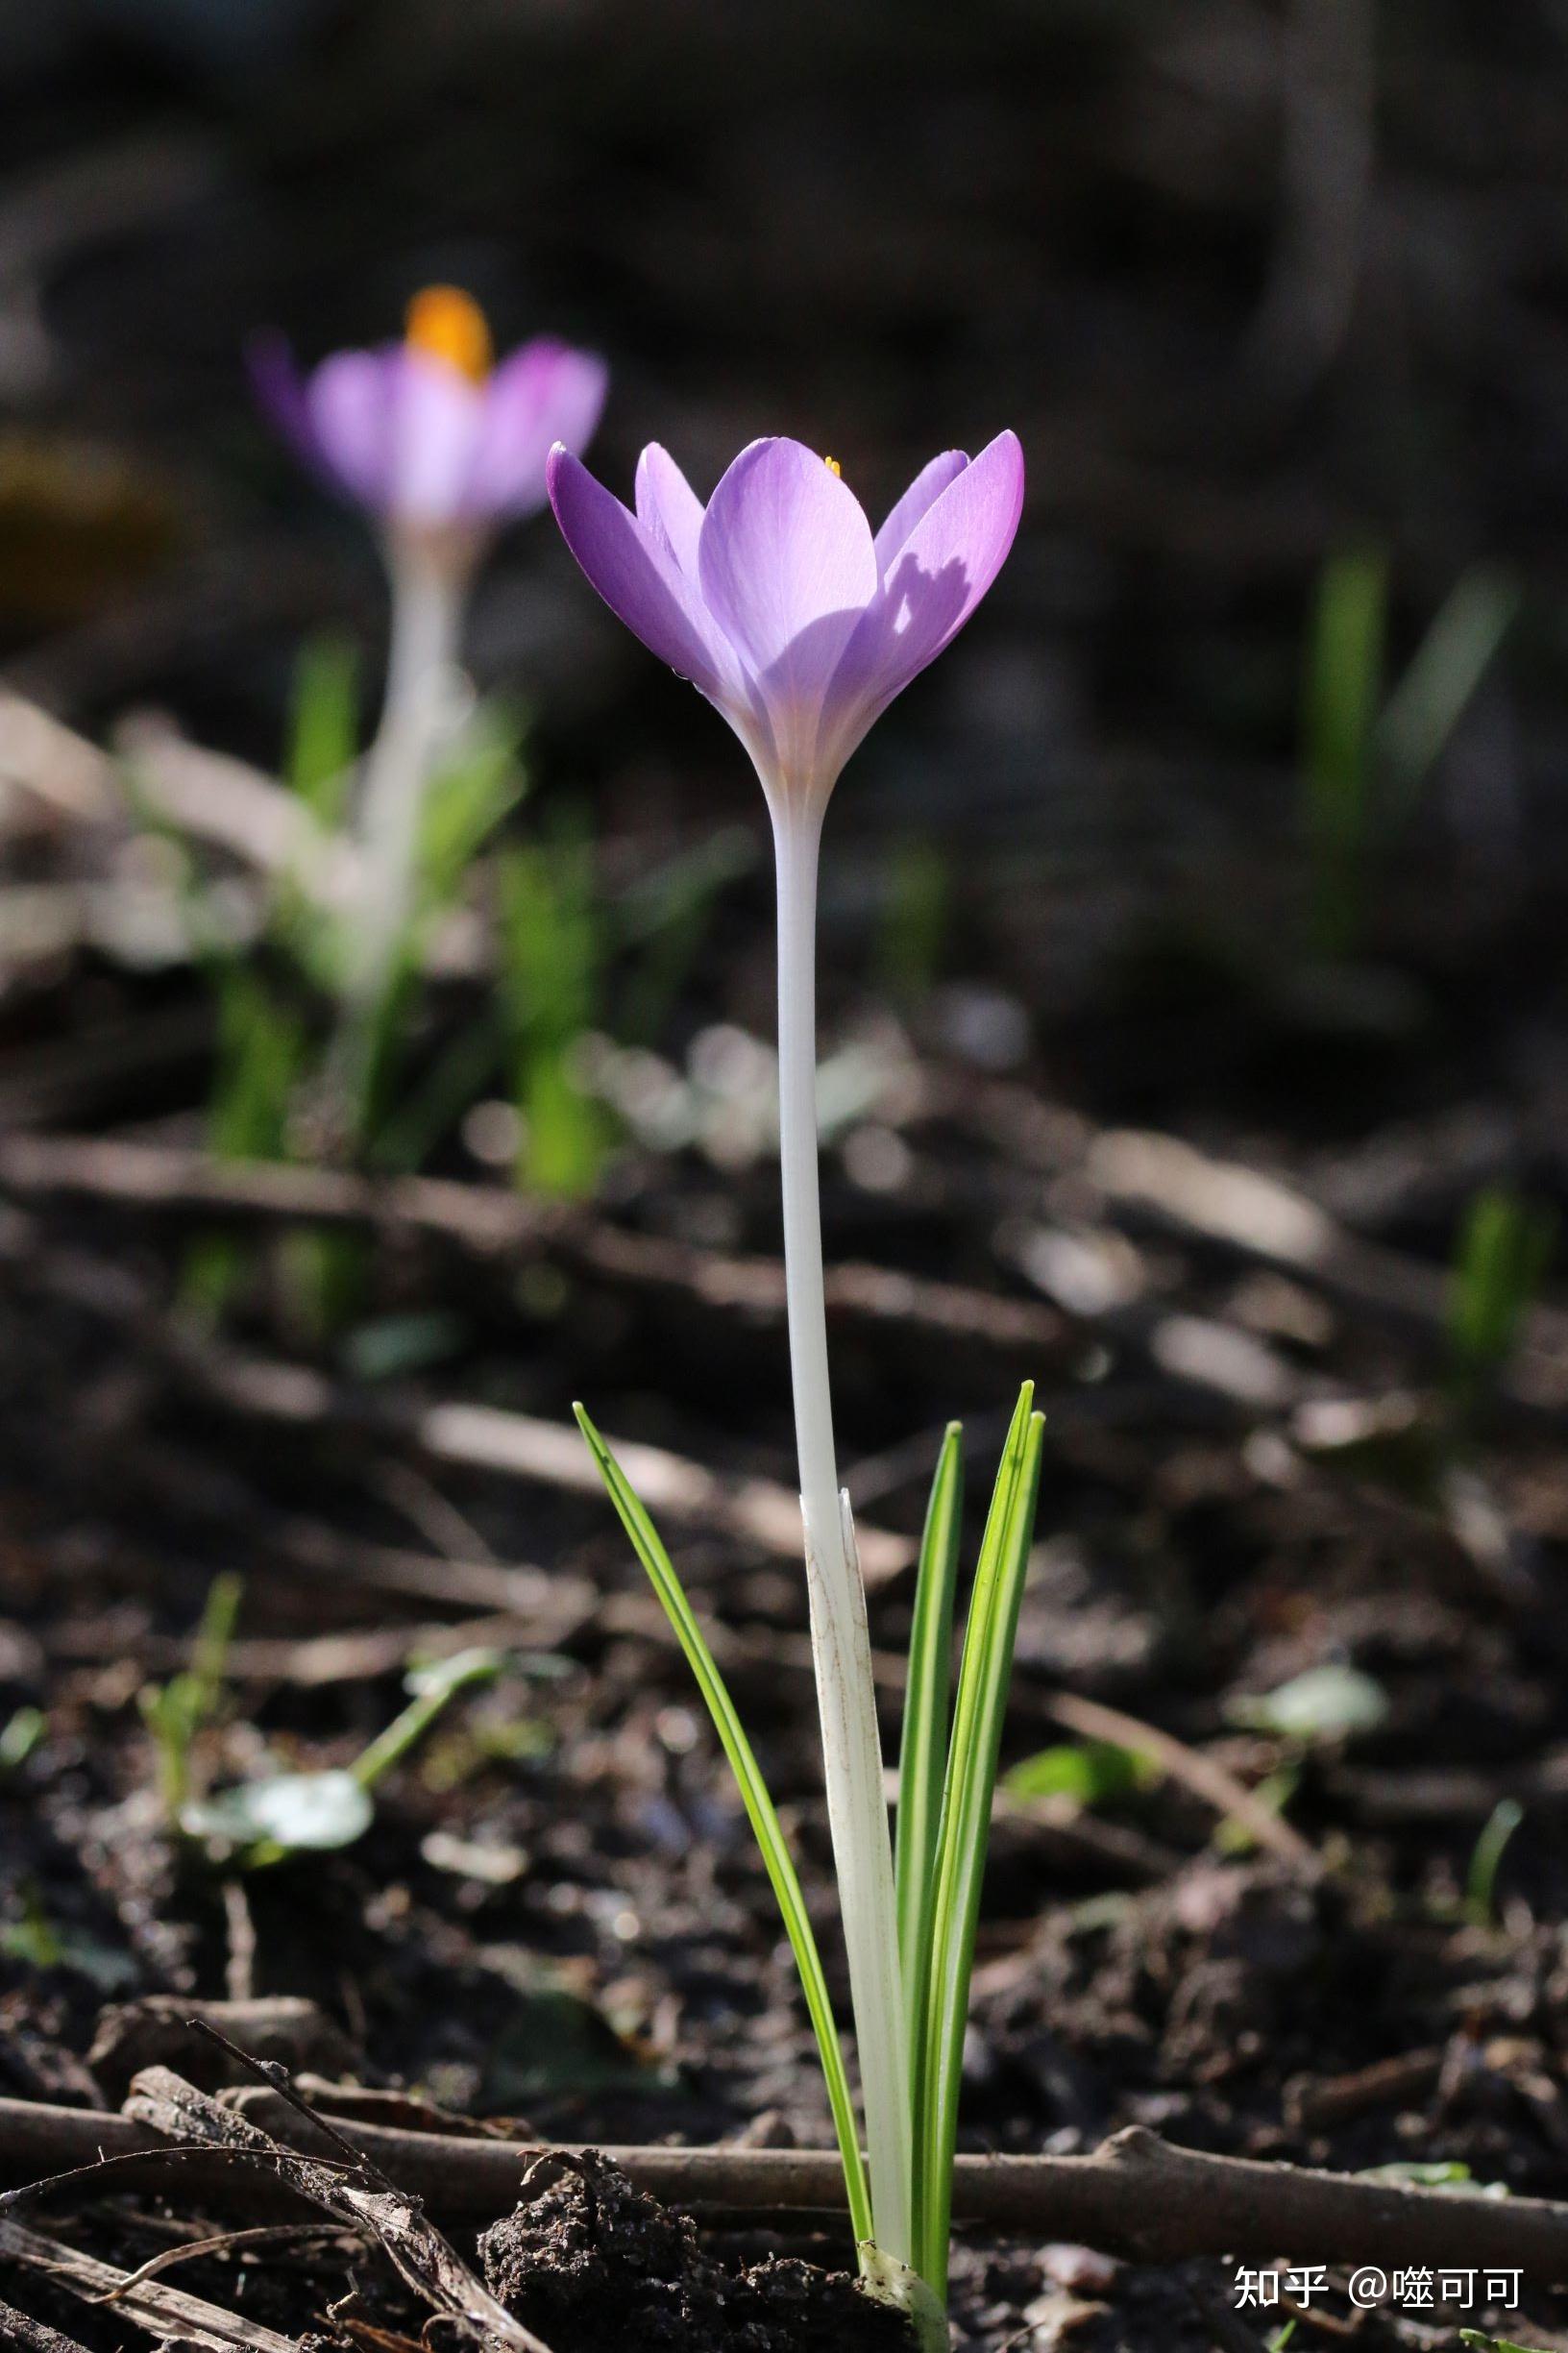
[(592, 2263)]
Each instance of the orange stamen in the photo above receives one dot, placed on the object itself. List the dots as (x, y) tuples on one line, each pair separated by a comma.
[(445, 324), (833, 466)]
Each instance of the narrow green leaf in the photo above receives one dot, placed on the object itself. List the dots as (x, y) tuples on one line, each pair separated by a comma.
[(1345, 680), (922, 1757), (760, 1813), (966, 1826)]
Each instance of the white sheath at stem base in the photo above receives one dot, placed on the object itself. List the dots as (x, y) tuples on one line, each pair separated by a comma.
[(841, 1644)]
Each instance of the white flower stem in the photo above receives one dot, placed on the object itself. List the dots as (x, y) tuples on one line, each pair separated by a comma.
[(428, 591), (427, 588), (847, 1696)]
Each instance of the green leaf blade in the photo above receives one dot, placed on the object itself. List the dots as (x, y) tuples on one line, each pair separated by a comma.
[(970, 1786), (923, 1752), (760, 1812)]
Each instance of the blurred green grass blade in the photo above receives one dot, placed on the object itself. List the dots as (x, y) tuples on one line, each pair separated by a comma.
[(1344, 682), (965, 1826), (1441, 679), (1505, 1249), (924, 1752), (760, 1812), (324, 729)]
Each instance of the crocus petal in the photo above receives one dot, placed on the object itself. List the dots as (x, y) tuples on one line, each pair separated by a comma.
[(668, 506), (280, 390), (785, 558), (436, 418), (923, 490), (938, 576), (639, 580), (351, 415), (787, 569), (544, 393)]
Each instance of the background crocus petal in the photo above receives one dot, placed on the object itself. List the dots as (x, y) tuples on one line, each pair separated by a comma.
[(280, 390), (786, 565), (350, 401), (668, 506), (641, 582), (545, 393), (923, 490), (436, 416), (943, 568)]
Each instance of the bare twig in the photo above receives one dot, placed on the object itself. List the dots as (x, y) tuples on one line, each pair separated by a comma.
[(1202, 1774), (163, 2311), (494, 1225), (1135, 2197), (355, 2192), (1256, 1217)]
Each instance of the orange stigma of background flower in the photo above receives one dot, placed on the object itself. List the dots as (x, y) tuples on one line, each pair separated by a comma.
[(445, 324)]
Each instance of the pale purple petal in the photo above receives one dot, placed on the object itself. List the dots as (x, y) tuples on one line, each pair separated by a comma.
[(350, 400), (280, 390), (927, 486), (785, 564), (945, 568), (668, 506), (436, 417), (545, 393), (639, 580)]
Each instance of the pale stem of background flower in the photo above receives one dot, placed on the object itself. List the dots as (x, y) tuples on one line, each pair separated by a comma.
[(840, 1641), (428, 586)]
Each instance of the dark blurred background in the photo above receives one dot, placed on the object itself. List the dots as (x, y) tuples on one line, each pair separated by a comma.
[(1257, 282)]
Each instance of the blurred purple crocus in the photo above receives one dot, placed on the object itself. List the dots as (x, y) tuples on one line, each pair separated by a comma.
[(441, 446), (800, 625), (429, 435)]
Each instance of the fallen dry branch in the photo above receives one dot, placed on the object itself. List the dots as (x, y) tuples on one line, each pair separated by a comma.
[(19, 2330), (1193, 1769), (356, 2193), (1257, 1219), (496, 1225), (1136, 2197), (270, 1390), (152, 2304)]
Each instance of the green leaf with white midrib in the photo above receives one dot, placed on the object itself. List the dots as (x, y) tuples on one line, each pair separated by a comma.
[(760, 1812), (965, 1823), (924, 1752)]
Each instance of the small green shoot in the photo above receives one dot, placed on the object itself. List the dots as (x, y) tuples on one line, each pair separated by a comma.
[(1345, 677), (916, 917), (1082, 1773), (1485, 1862), (33, 1940), (1366, 758), (322, 751), (19, 1736), (177, 1711), (1505, 1248), (1473, 2337), (264, 1822), (551, 988)]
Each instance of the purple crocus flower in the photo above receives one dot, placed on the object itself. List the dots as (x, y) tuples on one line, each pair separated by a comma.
[(800, 625), (778, 602), (427, 434)]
